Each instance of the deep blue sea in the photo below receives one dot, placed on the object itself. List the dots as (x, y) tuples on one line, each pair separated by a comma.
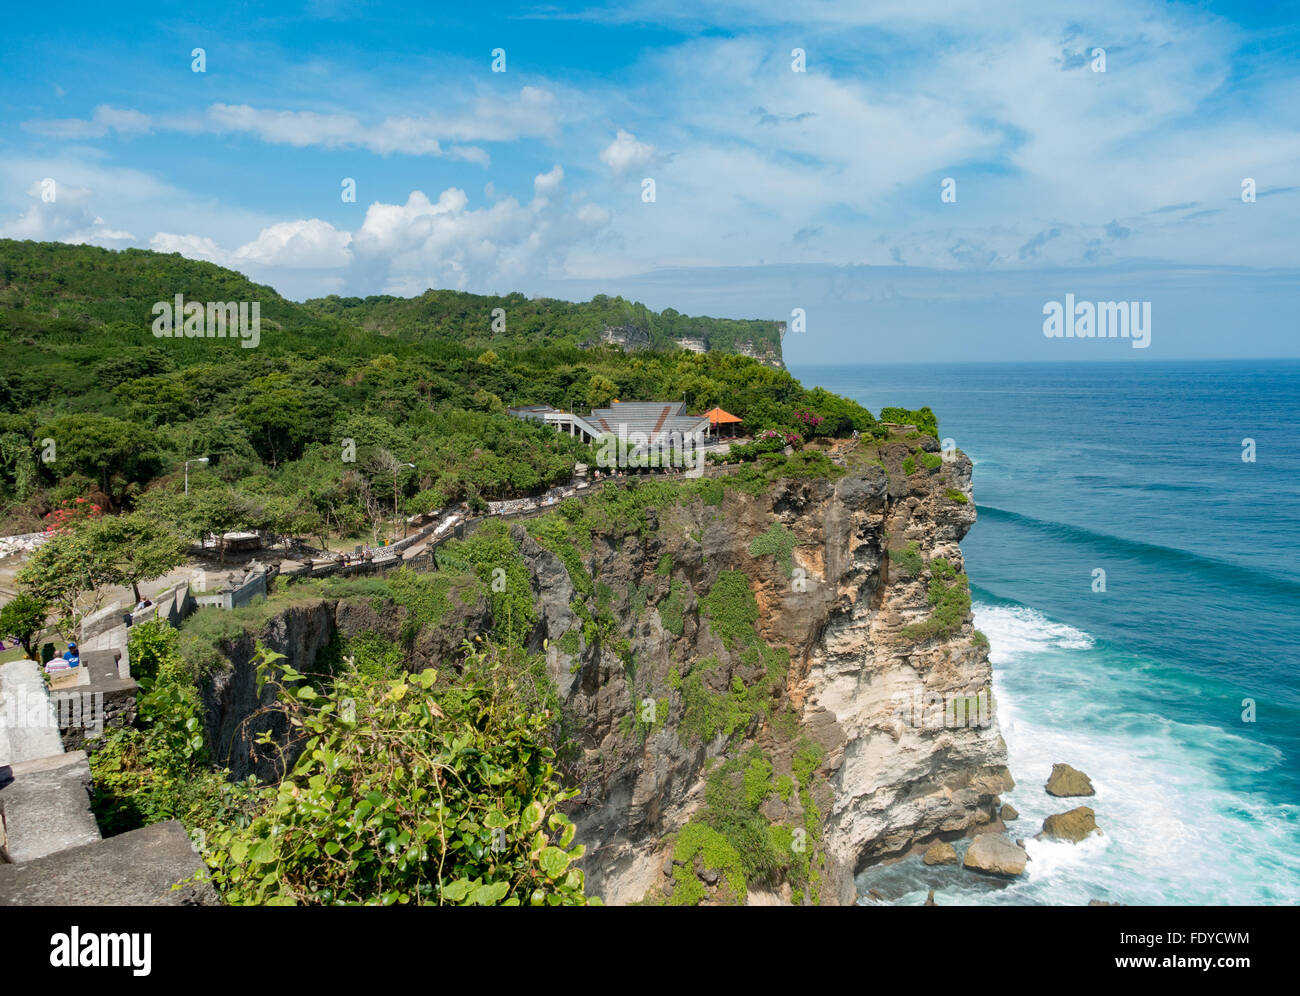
[(1136, 470)]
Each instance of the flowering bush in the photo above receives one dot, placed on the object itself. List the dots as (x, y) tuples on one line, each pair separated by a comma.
[(70, 513)]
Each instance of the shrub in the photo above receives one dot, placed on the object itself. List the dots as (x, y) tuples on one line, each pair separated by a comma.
[(779, 542), (908, 560), (732, 609), (951, 606), (672, 609), (409, 795)]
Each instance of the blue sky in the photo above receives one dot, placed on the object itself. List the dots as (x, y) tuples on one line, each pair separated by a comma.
[(774, 189)]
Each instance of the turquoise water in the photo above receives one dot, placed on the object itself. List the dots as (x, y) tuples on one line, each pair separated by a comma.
[(1137, 470)]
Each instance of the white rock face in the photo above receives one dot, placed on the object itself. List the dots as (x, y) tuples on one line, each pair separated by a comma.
[(922, 751)]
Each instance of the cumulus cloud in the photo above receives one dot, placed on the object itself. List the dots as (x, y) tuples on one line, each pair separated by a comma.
[(310, 244), (63, 213), (626, 153), (447, 243), (406, 248)]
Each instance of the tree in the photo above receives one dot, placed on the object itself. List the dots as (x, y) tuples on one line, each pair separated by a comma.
[(66, 574), (600, 391), (103, 448), (276, 417), (211, 510), (24, 617), (136, 548)]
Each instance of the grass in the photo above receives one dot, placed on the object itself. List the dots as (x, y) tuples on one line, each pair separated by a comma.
[(908, 560), (779, 542), (731, 609), (673, 608)]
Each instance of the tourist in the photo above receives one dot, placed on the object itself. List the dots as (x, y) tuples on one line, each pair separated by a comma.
[(72, 655)]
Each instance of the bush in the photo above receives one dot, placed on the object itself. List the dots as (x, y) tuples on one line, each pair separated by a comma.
[(412, 793), (922, 418), (908, 560)]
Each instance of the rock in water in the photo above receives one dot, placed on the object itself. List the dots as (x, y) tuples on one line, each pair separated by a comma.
[(1067, 781), (940, 853), (929, 900), (1009, 813), (1073, 826), (995, 854)]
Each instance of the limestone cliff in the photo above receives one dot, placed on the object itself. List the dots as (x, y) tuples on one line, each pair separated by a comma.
[(867, 693), (767, 683)]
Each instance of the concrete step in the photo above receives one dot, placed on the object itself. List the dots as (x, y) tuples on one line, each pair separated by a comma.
[(132, 869), (45, 806), (29, 728), (102, 665)]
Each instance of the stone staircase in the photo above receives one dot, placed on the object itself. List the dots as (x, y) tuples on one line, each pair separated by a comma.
[(51, 853)]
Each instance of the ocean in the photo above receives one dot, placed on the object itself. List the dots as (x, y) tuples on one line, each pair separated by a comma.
[(1136, 470)]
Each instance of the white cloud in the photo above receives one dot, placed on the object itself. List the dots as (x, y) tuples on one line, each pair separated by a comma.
[(68, 217), (626, 153), (533, 112), (446, 243)]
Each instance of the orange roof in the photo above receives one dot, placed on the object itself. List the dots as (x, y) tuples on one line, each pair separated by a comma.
[(718, 416)]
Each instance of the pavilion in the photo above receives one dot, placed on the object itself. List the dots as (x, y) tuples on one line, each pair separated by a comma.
[(718, 418)]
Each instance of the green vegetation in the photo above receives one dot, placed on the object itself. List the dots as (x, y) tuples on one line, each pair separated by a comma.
[(442, 786), (958, 496), (908, 560), (922, 418), (731, 609), (931, 461), (909, 465), (780, 543), (949, 597), (717, 854), (570, 642), (73, 569), (411, 793), (23, 616), (157, 768), (672, 609), (707, 712)]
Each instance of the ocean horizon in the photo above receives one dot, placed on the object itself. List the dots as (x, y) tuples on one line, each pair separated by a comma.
[(1173, 678)]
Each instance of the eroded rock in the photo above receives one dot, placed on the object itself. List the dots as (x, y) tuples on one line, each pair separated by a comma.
[(1066, 781), (995, 854), (1073, 826), (940, 853)]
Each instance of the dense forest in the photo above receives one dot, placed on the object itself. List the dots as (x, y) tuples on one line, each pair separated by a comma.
[(311, 432)]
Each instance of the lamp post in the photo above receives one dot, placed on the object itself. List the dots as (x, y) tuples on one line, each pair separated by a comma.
[(397, 470), (187, 470)]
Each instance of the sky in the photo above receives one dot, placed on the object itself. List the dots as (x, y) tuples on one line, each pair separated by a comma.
[(919, 179)]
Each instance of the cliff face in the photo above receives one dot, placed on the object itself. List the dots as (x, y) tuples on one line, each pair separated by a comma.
[(785, 670), (860, 693)]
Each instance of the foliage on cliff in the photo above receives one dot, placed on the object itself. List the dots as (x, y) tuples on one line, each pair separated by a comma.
[(409, 791)]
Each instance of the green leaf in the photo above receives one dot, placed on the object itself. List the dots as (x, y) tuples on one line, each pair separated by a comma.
[(488, 895), (457, 890), (553, 861)]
